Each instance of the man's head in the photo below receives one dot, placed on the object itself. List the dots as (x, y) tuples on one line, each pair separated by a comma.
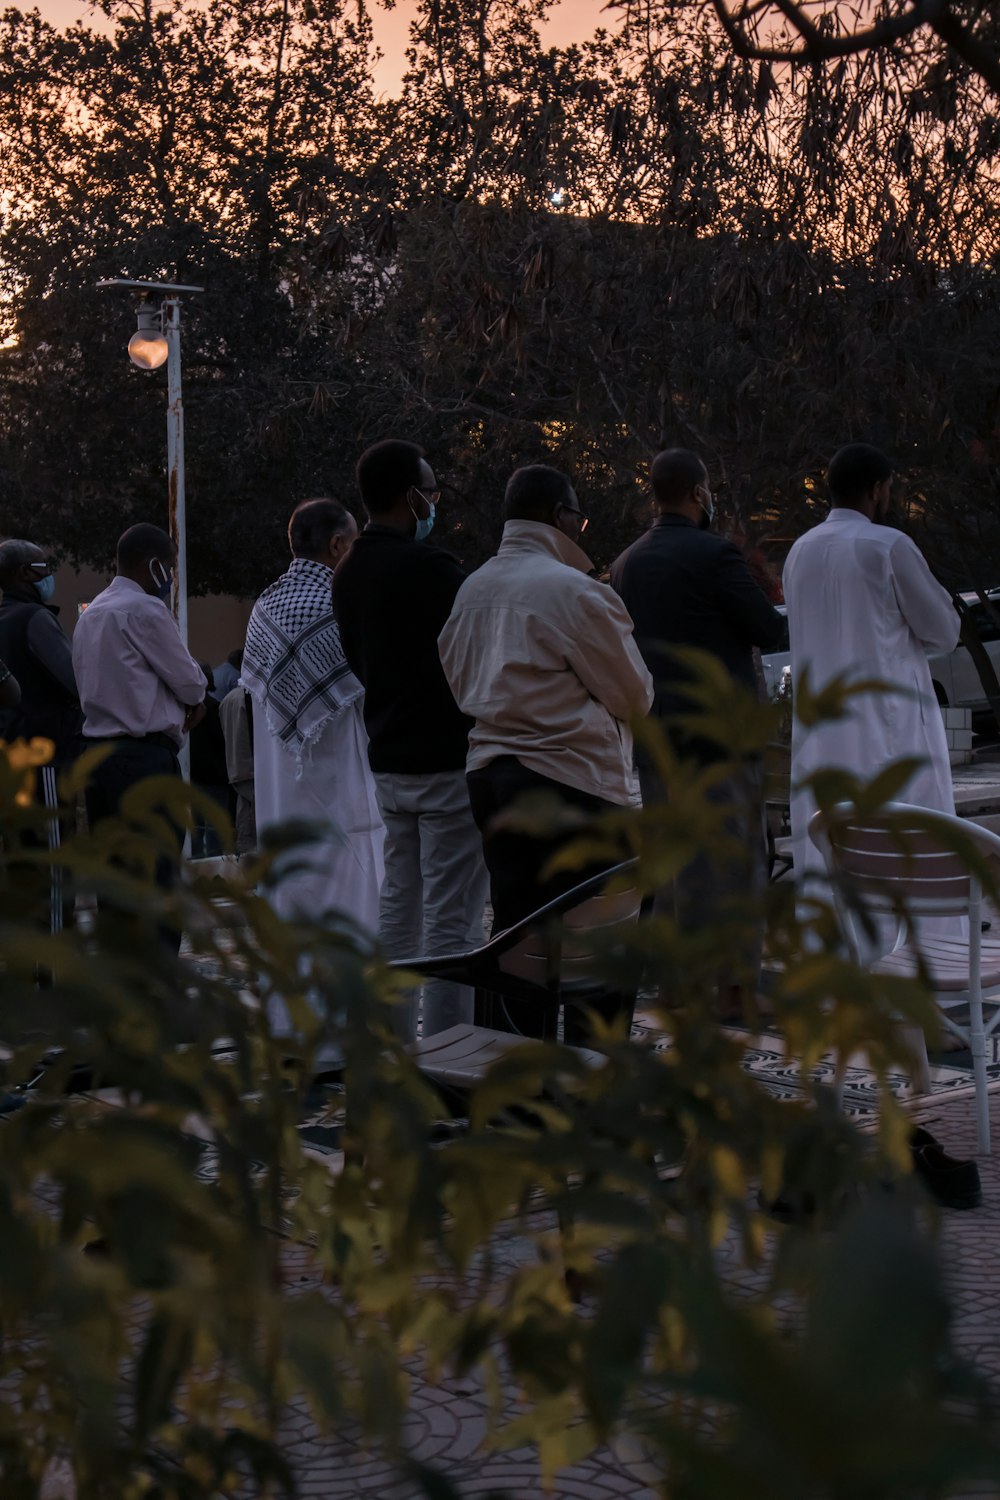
[(25, 571), (148, 557), (860, 478), (679, 481), (398, 487), (323, 531), (541, 493)]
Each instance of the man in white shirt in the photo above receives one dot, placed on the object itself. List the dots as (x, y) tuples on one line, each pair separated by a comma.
[(541, 656), (140, 689), (863, 604)]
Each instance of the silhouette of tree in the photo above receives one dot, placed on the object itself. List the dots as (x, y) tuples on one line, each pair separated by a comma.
[(580, 253), (818, 31)]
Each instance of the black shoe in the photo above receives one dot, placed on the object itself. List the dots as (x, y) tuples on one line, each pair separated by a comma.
[(789, 1207), (952, 1183)]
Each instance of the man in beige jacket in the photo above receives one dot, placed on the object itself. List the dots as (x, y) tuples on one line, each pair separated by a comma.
[(542, 657)]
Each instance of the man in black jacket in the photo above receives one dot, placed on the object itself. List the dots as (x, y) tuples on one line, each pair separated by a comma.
[(393, 595), (38, 653), (686, 586)]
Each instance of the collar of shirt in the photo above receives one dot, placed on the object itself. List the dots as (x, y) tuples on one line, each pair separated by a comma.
[(846, 513), (381, 528), (672, 518), (122, 585), (538, 536)]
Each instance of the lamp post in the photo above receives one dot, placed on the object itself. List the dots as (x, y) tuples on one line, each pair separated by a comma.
[(157, 339)]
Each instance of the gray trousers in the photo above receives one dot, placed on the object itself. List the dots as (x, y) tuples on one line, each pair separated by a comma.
[(435, 887), (718, 885)]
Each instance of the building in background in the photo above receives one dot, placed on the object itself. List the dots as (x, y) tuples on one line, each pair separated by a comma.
[(217, 623)]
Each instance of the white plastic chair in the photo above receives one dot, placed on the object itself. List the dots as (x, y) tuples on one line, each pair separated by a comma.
[(892, 866)]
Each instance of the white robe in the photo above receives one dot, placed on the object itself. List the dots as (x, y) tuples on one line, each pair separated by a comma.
[(862, 602), (335, 792), (335, 789)]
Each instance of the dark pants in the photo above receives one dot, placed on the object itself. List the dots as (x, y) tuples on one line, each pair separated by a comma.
[(515, 861), (130, 762), (724, 890)]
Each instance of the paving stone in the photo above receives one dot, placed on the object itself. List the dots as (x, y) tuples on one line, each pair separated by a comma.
[(446, 1427)]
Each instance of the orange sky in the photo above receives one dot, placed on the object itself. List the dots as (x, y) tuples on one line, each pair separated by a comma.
[(571, 21)]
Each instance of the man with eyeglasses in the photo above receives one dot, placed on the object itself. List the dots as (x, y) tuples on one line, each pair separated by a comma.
[(541, 655), (37, 651), (684, 585), (392, 595)]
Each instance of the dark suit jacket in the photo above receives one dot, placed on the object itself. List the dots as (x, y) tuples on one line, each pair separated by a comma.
[(688, 587)]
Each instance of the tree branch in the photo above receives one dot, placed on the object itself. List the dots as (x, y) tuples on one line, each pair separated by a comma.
[(741, 25)]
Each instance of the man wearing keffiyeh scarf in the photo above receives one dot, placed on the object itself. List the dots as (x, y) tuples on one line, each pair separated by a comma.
[(310, 746)]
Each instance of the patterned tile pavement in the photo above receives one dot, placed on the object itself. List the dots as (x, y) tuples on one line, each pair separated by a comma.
[(447, 1424)]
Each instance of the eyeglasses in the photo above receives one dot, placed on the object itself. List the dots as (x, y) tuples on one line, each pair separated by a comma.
[(40, 567), (577, 515), (429, 499)]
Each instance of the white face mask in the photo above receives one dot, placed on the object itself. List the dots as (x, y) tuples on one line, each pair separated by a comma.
[(707, 511)]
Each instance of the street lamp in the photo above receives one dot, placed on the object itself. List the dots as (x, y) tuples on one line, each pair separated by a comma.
[(157, 339), (147, 348)]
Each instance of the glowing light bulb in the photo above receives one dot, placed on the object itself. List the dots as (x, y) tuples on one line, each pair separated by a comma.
[(147, 348)]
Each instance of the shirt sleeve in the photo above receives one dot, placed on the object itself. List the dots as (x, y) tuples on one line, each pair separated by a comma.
[(603, 654), (925, 606), (159, 642), (49, 645), (744, 604)]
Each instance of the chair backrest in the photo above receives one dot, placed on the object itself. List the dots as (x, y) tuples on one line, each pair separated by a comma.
[(903, 855), (559, 952)]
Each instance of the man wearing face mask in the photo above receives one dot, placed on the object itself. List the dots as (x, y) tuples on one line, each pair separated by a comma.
[(392, 596), (684, 585), (140, 688), (38, 653)]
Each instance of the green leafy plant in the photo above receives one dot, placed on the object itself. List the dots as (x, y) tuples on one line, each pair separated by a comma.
[(151, 1338)]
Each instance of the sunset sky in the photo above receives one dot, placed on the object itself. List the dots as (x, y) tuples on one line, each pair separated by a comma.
[(572, 20)]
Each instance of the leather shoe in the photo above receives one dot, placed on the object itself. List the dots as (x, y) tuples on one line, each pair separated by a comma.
[(952, 1183)]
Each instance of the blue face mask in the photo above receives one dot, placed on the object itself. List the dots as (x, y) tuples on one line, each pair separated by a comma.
[(163, 583), (425, 524), (46, 587)]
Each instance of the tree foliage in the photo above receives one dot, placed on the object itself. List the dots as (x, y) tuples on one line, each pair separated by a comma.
[(581, 252), (818, 31)]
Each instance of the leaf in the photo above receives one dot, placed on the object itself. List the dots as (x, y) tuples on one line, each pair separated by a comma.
[(163, 1361)]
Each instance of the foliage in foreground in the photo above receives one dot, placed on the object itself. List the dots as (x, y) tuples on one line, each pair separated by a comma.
[(734, 1356)]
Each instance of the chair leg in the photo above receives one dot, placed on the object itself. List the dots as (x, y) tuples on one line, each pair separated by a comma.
[(839, 1079), (977, 1043), (917, 1043)]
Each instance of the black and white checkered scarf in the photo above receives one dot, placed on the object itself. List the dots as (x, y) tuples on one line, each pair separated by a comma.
[(293, 664)]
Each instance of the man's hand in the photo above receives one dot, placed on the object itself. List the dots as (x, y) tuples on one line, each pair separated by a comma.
[(194, 716)]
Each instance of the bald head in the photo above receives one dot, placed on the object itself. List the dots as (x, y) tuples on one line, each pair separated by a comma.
[(674, 475)]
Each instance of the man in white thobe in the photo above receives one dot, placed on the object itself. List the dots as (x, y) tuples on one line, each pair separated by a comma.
[(863, 603), (309, 742)]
